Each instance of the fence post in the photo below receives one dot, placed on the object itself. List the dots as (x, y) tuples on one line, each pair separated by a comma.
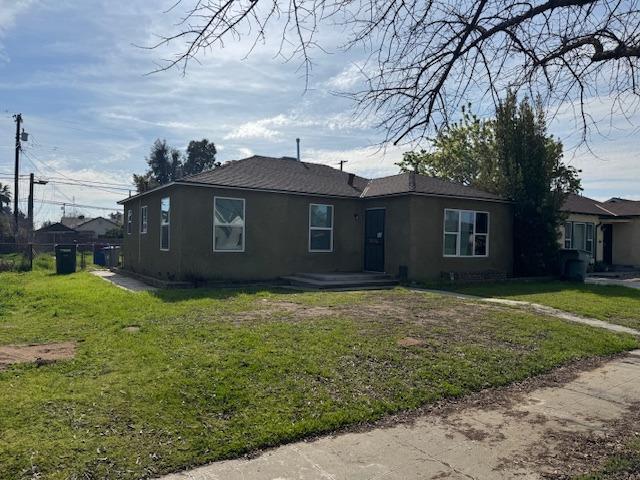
[(31, 257)]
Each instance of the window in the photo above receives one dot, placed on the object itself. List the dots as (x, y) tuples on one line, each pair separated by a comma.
[(579, 235), (129, 221), (568, 230), (228, 224), (165, 221), (466, 233), (143, 219), (320, 228), (588, 245)]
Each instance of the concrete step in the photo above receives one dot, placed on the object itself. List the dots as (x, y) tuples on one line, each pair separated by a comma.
[(336, 282), (332, 277)]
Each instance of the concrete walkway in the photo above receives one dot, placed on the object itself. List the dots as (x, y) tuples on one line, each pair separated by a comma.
[(506, 440), (621, 282), (542, 309), (123, 281)]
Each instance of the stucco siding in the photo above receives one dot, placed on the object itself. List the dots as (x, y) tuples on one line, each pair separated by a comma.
[(277, 236), (626, 243), (583, 218), (427, 237), (142, 252)]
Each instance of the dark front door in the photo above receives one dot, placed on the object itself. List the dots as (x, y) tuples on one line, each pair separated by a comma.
[(607, 243), (374, 240)]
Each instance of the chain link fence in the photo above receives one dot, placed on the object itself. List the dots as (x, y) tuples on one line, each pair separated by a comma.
[(24, 257)]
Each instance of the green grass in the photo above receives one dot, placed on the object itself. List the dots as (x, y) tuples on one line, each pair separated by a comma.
[(614, 304), (213, 374)]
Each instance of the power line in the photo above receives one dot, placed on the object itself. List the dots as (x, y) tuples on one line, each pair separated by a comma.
[(78, 205)]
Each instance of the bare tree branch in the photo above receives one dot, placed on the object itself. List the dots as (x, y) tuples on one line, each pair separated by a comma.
[(429, 57)]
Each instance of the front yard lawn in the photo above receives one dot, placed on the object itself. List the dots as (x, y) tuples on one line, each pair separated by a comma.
[(613, 304), (163, 381)]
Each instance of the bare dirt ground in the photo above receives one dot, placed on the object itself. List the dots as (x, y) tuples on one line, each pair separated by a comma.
[(39, 354)]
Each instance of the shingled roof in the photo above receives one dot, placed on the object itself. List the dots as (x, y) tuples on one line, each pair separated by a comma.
[(622, 206), (283, 174), (287, 174), (414, 183), (579, 204)]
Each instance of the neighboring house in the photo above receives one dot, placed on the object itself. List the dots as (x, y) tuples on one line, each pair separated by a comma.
[(609, 231), (55, 233), (96, 227), (73, 221), (279, 216)]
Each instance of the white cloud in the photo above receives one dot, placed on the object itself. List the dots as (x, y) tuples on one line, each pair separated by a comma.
[(370, 162), (349, 77), (9, 11), (244, 152), (258, 129)]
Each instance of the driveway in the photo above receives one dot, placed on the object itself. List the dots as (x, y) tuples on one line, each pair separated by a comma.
[(514, 434)]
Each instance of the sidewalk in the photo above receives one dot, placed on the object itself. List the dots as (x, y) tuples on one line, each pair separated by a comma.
[(123, 281), (515, 438)]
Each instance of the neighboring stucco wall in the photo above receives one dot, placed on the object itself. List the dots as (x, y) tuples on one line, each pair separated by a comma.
[(626, 243), (583, 218)]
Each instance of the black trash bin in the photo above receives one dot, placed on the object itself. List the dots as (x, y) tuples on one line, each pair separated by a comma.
[(65, 259), (573, 264)]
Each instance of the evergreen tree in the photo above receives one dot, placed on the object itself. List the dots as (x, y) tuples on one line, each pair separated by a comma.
[(165, 165), (201, 156), (514, 156), (534, 177)]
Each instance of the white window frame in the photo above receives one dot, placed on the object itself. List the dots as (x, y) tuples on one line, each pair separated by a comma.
[(168, 224), (129, 221), (144, 220), (459, 233), (311, 205), (586, 229), (570, 237), (593, 238), (218, 224)]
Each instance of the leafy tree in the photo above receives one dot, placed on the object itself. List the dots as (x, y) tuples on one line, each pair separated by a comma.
[(165, 165), (463, 152), (5, 196), (201, 156), (514, 156)]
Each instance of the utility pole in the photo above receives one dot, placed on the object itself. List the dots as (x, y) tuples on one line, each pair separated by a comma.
[(18, 119), (30, 204)]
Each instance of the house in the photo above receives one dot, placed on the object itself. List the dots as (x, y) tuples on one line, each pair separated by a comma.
[(97, 227), (609, 231), (73, 221), (55, 233), (262, 218)]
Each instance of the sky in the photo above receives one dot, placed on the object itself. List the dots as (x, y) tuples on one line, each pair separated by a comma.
[(74, 70)]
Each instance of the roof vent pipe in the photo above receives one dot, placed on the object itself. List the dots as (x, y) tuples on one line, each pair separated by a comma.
[(352, 176), (298, 148)]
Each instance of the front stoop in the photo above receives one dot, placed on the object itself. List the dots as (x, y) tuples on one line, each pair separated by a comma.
[(340, 281)]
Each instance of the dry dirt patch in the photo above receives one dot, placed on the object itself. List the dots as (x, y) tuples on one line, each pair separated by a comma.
[(410, 342), (41, 354)]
